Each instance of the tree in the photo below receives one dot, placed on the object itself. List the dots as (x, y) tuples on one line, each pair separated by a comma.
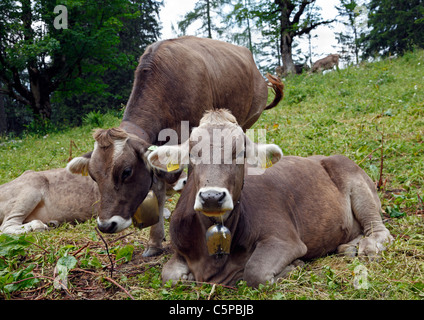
[(203, 12), (285, 16), (115, 85), (396, 26), (352, 11), (43, 50)]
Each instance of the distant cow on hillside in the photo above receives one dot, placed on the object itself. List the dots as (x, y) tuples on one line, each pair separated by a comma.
[(326, 63), (299, 68)]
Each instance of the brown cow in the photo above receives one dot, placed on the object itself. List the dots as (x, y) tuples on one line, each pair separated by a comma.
[(326, 63), (300, 208), (35, 200), (176, 80)]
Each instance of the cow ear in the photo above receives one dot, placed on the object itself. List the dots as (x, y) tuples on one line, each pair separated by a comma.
[(264, 155), (167, 158), (79, 165)]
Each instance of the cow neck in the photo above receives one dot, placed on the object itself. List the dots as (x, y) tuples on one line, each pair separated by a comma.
[(132, 128)]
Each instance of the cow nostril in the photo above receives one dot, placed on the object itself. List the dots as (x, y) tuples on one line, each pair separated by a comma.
[(107, 227), (223, 194), (112, 226)]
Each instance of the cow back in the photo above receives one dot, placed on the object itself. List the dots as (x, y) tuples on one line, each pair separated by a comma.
[(180, 79)]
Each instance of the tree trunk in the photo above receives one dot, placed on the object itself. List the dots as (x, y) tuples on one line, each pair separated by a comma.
[(40, 100), (286, 38), (3, 122), (286, 54), (208, 13)]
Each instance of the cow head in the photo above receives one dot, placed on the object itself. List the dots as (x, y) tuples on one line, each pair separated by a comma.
[(118, 164), (219, 155)]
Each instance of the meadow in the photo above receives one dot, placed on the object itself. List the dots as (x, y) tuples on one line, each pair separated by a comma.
[(372, 113)]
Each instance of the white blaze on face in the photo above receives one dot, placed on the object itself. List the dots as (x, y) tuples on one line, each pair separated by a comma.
[(118, 148), (209, 194)]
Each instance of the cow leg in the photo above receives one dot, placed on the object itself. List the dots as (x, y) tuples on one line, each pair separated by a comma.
[(22, 208), (366, 209), (176, 269), (271, 260), (157, 231)]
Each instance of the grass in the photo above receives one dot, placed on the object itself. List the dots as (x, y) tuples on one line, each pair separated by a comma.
[(363, 112)]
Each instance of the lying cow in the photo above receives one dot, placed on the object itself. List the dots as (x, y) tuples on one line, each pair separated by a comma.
[(299, 208), (176, 80), (35, 200), (326, 63)]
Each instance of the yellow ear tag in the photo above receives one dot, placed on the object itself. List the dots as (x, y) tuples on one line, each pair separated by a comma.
[(172, 166), (268, 163), (84, 172)]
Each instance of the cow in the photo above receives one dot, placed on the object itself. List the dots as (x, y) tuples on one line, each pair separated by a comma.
[(176, 81), (298, 67), (326, 63), (233, 223), (36, 200)]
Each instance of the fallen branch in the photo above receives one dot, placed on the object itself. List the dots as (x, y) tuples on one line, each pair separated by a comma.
[(121, 237), (369, 155), (107, 250), (79, 250), (119, 286), (380, 180)]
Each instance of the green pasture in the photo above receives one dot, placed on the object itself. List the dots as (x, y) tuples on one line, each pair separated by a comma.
[(372, 113)]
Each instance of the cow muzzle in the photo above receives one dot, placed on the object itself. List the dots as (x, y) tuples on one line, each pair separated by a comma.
[(114, 224), (213, 201)]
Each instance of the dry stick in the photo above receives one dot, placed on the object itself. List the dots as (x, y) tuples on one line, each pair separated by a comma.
[(107, 250), (380, 181), (44, 277), (45, 251), (106, 278), (71, 143), (121, 287), (122, 237), (79, 250), (368, 155)]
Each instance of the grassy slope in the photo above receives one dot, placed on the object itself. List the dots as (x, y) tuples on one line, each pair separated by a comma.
[(346, 112)]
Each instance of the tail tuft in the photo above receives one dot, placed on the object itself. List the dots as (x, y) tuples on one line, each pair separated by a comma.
[(278, 88)]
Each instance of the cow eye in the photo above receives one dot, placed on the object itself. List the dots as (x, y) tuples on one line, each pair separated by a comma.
[(126, 173)]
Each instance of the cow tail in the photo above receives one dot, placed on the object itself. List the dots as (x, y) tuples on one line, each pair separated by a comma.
[(278, 88)]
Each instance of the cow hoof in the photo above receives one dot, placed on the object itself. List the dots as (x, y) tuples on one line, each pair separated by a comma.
[(152, 251), (348, 250), (53, 224), (373, 245)]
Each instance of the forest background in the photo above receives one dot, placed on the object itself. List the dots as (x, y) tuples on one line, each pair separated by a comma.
[(63, 63)]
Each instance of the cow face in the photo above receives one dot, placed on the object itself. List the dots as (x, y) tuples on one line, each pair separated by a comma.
[(118, 165), (218, 154)]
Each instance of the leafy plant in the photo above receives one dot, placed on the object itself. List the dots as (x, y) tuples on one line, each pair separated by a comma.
[(125, 254), (94, 119), (12, 278)]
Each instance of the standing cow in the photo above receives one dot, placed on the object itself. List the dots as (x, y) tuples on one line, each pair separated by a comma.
[(176, 80), (326, 63), (230, 224)]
